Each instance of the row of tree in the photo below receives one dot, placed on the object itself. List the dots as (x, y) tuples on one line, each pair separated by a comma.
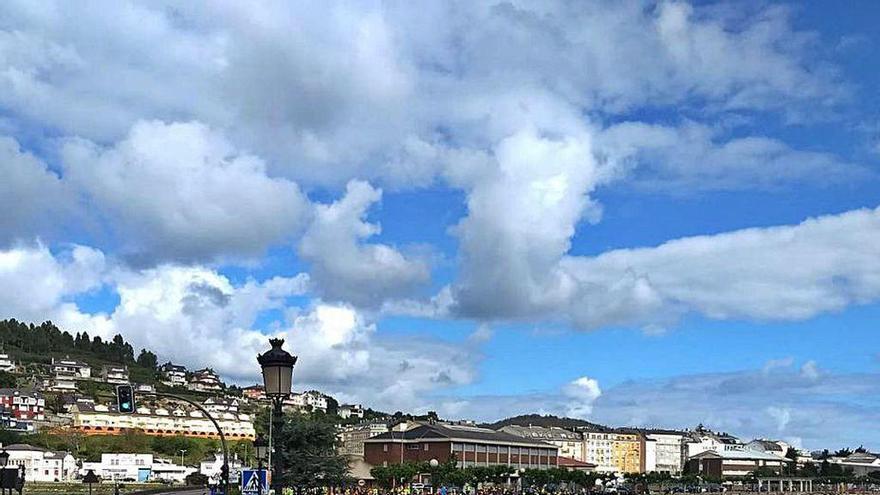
[(47, 338)]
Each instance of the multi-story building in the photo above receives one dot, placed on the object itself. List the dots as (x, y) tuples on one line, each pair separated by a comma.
[(469, 445), (628, 449), (665, 451), (100, 420), (733, 461), (597, 448), (777, 447), (570, 443), (71, 369), (173, 375), (114, 374), (221, 405), (6, 363), (352, 438), (703, 439), (62, 385), (861, 463), (23, 406), (205, 380), (307, 401), (346, 411), (137, 468), (254, 392), (41, 464)]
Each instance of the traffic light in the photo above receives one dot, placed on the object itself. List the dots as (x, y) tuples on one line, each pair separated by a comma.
[(125, 398)]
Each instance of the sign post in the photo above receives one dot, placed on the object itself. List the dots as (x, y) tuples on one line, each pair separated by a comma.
[(254, 482)]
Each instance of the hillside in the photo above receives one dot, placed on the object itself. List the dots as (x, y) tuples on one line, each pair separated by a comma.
[(546, 421), (37, 344)]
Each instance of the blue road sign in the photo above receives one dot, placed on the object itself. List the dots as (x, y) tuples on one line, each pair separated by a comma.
[(252, 480)]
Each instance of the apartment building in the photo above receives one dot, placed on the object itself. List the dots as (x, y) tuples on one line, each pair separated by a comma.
[(70, 369), (114, 374), (628, 452), (221, 405), (205, 380), (703, 439), (311, 400), (733, 461), (598, 448), (6, 363), (101, 420), (570, 443), (665, 451), (41, 464), (352, 438), (469, 445), (137, 468), (254, 392), (23, 406), (173, 375), (346, 411)]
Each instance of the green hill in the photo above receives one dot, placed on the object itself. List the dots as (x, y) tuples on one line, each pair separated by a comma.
[(545, 421)]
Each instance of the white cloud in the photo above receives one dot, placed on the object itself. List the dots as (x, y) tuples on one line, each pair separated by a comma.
[(782, 415), (695, 158), (343, 267), (581, 393), (196, 316), (779, 273), (181, 191), (810, 370)]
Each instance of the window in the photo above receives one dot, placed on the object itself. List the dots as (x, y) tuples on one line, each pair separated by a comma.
[(457, 447), (481, 448), (384, 447), (412, 446), (426, 447), (493, 449)]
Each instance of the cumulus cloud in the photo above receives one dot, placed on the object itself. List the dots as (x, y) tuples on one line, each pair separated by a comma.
[(182, 191), (196, 316), (582, 393), (343, 267), (778, 273)]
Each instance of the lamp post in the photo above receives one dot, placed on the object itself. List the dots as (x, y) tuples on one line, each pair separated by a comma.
[(261, 449), (4, 460), (277, 365), (182, 453)]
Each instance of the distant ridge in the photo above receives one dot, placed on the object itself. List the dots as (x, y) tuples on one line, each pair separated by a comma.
[(546, 421)]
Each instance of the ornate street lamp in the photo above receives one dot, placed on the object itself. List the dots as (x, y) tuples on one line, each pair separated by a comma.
[(4, 458), (277, 365)]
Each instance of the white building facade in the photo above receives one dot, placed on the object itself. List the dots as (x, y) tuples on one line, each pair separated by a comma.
[(41, 464)]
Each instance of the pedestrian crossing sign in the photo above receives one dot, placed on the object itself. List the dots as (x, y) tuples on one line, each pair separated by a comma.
[(254, 482)]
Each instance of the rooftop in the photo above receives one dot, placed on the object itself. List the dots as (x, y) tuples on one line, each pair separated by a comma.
[(426, 431)]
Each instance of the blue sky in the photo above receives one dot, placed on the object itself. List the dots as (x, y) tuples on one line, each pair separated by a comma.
[(640, 213)]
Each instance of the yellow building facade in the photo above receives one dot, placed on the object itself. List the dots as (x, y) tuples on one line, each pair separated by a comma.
[(627, 450)]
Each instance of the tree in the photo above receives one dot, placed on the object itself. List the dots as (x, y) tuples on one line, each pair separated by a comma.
[(7, 380), (792, 455), (147, 359), (308, 451), (196, 479)]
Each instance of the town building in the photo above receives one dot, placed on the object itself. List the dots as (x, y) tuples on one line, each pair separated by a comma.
[(23, 406), (212, 466), (307, 401), (702, 439), (173, 375), (144, 388), (70, 369), (205, 380), (41, 464), (101, 420), (114, 374), (351, 438), (220, 405), (6, 363), (861, 463), (665, 451), (469, 445), (597, 448), (570, 443), (137, 468), (777, 447), (346, 411), (570, 464), (733, 461), (627, 450), (254, 392)]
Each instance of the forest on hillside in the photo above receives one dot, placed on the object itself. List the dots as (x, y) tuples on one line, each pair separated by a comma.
[(31, 343)]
